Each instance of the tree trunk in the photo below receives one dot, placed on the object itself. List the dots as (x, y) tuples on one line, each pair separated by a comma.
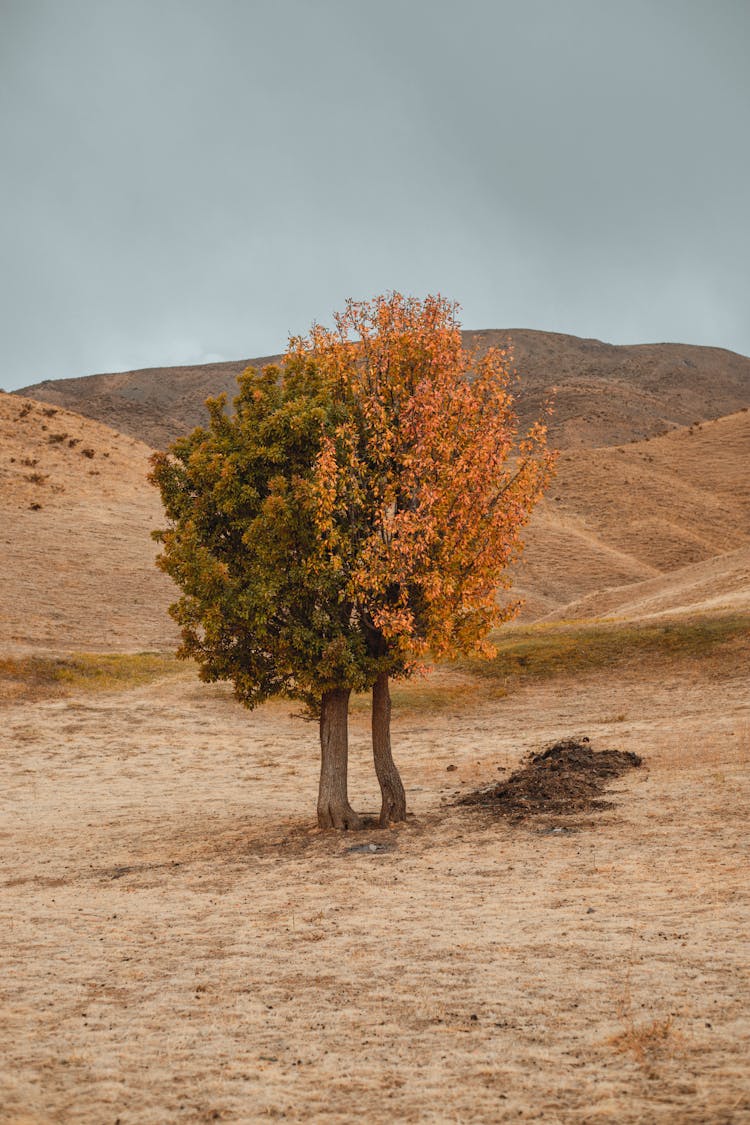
[(334, 810), (391, 788)]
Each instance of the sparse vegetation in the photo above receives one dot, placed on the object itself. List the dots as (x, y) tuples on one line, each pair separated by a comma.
[(424, 696), (38, 677), (544, 651), (537, 652), (647, 1041), (534, 652)]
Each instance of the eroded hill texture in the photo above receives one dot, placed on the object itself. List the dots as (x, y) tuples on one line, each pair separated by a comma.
[(605, 393), (644, 512)]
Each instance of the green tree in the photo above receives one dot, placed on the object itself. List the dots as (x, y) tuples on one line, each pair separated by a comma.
[(355, 514)]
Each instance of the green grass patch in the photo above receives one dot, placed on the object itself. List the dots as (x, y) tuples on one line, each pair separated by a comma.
[(421, 695), (557, 649), (721, 645), (718, 644), (48, 676)]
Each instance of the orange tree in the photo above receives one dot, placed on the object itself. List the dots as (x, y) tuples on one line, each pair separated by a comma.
[(353, 517)]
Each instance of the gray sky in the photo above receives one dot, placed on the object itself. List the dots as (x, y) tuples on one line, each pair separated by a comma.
[(185, 180)]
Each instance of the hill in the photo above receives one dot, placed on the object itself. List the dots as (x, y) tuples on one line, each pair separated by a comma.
[(76, 512), (635, 512), (647, 527), (720, 584), (606, 394)]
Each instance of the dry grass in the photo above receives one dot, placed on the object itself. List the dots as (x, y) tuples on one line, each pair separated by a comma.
[(647, 1041), (545, 651), (45, 677), (182, 946), (438, 692), (524, 654)]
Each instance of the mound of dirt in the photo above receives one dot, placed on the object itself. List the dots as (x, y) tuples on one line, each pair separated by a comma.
[(568, 777)]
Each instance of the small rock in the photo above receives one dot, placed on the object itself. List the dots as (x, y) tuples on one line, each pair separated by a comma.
[(450, 768)]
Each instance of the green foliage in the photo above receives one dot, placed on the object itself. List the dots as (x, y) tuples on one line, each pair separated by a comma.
[(263, 599)]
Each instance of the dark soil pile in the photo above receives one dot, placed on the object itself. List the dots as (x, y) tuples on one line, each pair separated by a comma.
[(568, 777)]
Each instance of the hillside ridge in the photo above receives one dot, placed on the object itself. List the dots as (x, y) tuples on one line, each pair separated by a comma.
[(605, 393)]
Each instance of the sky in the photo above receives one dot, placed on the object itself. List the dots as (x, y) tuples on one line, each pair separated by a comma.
[(191, 180)]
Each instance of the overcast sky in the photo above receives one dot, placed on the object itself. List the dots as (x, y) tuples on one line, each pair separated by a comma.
[(184, 180)]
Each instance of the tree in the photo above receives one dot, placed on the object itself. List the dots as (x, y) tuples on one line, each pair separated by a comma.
[(355, 515)]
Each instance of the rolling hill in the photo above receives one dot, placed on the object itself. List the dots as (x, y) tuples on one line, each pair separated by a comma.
[(637, 512), (717, 584), (606, 394), (650, 527), (76, 512)]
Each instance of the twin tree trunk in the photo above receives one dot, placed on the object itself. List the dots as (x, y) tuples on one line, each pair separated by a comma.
[(391, 789), (334, 810)]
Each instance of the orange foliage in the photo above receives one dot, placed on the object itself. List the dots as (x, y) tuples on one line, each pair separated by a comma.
[(424, 486)]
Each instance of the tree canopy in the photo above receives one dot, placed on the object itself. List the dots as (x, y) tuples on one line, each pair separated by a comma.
[(356, 512)]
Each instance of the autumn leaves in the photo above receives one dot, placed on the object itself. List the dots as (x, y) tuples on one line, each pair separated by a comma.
[(352, 517)]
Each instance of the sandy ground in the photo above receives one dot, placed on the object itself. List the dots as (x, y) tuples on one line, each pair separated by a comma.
[(180, 945)]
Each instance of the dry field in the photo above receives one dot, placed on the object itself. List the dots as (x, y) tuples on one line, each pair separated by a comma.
[(179, 944)]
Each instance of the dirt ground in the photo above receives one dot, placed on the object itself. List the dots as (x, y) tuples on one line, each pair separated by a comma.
[(180, 945)]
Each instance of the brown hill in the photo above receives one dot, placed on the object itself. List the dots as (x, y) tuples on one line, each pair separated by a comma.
[(76, 512), (626, 514), (605, 393), (642, 528), (718, 584)]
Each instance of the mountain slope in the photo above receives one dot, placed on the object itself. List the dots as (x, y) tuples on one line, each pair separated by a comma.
[(649, 527), (717, 584), (605, 393), (625, 514)]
